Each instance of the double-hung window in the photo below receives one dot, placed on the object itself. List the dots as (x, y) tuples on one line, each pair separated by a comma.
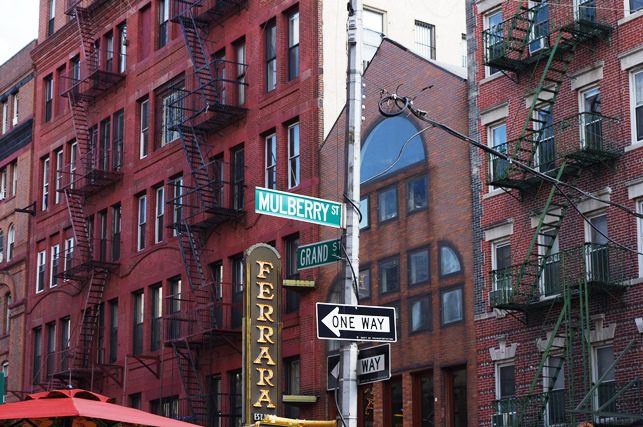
[(238, 178), (159, 214), (372, 33), (144, 128), (177, 204), (293, 45), (501, 267), (138, 317), (51, 17), (294, 176), (498, 166), (425, 40), (40, 271), (54, 266), (59, 175), (16, 108), (494, 42), (164, 22), (109, 52), (142, 221), (49, 97), (117, 145), (591, 120), (5, 117), (506, 405), (69, 253), (122, 47), (171, 117), (157, 315), (11, 240), (271, 55), (636, 95), (116, 232), (73, 156), (271, 161), (3, 184), (45, 184), (240, 50), (603, 370)]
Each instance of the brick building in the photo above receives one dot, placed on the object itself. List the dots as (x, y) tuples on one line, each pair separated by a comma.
[(415, 242), (16, 102), (558, 296)]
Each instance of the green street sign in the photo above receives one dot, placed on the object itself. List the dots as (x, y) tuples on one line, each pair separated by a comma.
[(320, 253), (301, 208)]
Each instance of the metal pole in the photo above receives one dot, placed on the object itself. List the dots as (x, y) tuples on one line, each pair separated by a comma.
[(348, 380)]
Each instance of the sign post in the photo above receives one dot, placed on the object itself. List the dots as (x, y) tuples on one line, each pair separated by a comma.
[(298, 207), (318, 254)]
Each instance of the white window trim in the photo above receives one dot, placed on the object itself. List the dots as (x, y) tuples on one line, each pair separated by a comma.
[(73, 160), (541, 252), (273, 165), (16, 106), (142, 208), (14, 178), (45, 184), (485, 26), (588, 228), (42, 256), (3, 183), (595, 376), (492, 189), (69, 252), (495, 245), (292, 156), (159, 214), (11, 240), (497, 375), (55, 253), (59, 175), (639, 233), (143, 149), (177, 205), (632, 91)]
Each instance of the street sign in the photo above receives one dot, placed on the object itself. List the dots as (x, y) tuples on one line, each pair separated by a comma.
[(355, 322), (373, 365), (320, 253), (301, 208)]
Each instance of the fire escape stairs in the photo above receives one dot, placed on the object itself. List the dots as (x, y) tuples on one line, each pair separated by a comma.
[(187, 360)]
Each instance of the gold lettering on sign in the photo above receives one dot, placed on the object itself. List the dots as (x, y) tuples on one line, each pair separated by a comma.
[(264, 354), (265, 334), (264, 396), (265, 375), (263, 268), (265, 290), (265, 313)]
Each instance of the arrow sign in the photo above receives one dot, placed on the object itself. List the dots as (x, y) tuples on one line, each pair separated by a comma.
[(373, 365), (355, 322)]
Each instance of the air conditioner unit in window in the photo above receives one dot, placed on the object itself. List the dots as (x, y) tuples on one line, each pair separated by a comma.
[(507, 419)]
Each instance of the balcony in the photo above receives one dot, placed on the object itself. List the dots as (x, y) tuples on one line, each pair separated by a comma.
[(90, 80), (603, 268), (78, 262), (528, 36), (539, 409), (580, 140), (71, 5), (206, 12), (202, 314)]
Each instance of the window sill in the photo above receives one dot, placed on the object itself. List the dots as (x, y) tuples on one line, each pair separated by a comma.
[(630, 17), (493, 193), (491, 78), (634, 146)]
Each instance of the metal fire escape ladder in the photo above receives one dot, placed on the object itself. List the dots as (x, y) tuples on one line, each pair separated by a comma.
[(192, 147), (83, 250), (84, 340), (191, 379)]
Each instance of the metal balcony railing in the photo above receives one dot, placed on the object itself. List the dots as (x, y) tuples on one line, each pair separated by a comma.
[(583, 139), (525, 37), (71, 5), (206, 11), (76, 262), (602, 267), (83, 81)]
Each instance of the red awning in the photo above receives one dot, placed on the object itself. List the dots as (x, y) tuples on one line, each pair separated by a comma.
[(81, 403)]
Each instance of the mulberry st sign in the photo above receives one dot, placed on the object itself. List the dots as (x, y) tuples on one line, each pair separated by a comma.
[(298, 207), (262, 327)]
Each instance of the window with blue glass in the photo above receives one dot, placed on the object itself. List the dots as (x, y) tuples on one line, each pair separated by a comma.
[(391, 146), (449, 260)]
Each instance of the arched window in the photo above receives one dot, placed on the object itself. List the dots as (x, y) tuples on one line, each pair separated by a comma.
[(11, 239), (449, 260), (385, 143)]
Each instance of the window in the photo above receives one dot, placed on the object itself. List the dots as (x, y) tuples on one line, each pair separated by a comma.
[(51, 17), (240, 51), (14, 178), (293, 45), (636, 94), (7, 313), (540, 25), (104, 144), (425, 40), (122, 47), (69, 253), (171, 115), (174, 307), (16, 108), (164, 24), (177, 204), (364, 285), (37, 356), (75, 69), (505, 394), (116, 232), (54, 264), (237, 290), (166, 407), (109, 52), (73, 156), (387, 204), (395, 401), (554, 378), (418, 265), (550, 276), (635, 5), (271, 161), (235, 379), (142, 220), (494, 42), (498, 166), (45, 183), (159, 215), (291, 384), (501, 267), (40, 273), (420, 314), (113, 330), (11, 240), (157, 315), (137, 335), (603, 368), (451, 307), (383, 146), (65, 337), (102, 235), (416, 194), (424, 407), (5, 117), (271, 55), (373, 31), (3, 184), (50, 363), (363, 210), (238, 178), (59, 175), (144, 108), (449, 260), (135, 400), (389, 275), (117, 150), (214, 402), (294, 174), (292, 297), (598, 268), (49, 97), (1, 245)]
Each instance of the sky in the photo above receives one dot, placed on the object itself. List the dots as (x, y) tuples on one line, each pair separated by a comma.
[(19, 25)]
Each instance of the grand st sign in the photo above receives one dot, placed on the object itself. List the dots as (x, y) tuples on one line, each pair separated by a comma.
[(262, 332)]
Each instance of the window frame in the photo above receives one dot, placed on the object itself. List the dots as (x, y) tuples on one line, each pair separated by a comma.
[(427, 317), (54, 265), (159, 214), (380, 269), (49, 97), (270, 168), (40, 271), (142, 222), (489, 71), (635, 104), (11, 240), (156, 315), (495, 245), (163, 38), (380, 193), (409, 254), (365, 223), (144, 128), (138, 321), (425, 179), (294, 172), (448, 290), (293, 45), (424, 45), (45, 184), (270, 55), (364, 292)]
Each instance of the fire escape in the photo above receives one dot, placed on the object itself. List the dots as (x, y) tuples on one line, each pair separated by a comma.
[(556, 284), (203, 316), (93, 168)]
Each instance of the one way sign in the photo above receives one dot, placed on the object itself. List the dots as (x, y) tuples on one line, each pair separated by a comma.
[(373, 364), (355, 322)]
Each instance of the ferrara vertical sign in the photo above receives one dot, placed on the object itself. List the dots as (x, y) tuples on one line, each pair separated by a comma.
[(262, 332)]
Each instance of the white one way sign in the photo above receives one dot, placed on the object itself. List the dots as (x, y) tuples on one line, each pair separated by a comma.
[(355, 322)]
